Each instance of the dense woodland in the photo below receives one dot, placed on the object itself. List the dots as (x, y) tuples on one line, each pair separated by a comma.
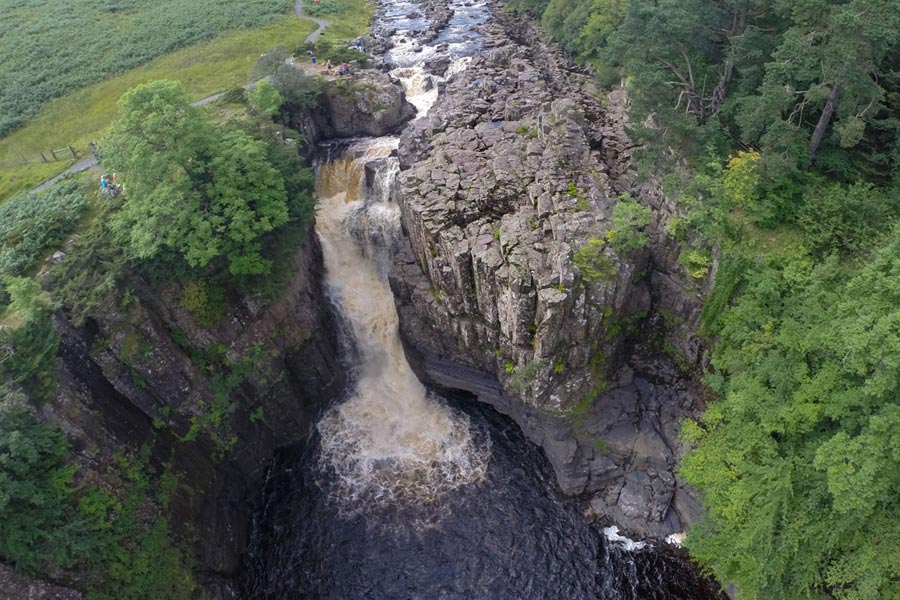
[(776, 124)]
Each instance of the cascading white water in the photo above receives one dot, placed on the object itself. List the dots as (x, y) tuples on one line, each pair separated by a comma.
[(390, 440)]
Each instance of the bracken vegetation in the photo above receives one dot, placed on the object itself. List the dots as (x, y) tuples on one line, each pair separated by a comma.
[(48, 48)]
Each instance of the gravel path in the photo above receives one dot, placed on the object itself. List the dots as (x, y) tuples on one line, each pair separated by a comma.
[(91, 161)]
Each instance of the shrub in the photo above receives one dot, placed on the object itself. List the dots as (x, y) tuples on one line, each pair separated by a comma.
[(205, 302), (628, 218), (593, 263), (35, 489), (236, 95), (846, 219), (27, 339), (265, 99), (696, 261)]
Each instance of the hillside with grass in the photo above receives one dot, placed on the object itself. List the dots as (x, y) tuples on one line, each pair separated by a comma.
[(50, 48)]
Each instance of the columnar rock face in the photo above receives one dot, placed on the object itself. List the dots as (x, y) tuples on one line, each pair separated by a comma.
[(502, 189), (142, 375), (517, 168)]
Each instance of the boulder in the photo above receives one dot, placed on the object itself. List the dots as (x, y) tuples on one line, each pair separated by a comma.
[(364, 103)]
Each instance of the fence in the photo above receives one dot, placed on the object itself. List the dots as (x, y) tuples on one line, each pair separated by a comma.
[(46, 156)]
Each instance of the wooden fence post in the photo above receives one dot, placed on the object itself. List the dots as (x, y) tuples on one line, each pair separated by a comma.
[(44, 157), (53, 152), (72, 150)]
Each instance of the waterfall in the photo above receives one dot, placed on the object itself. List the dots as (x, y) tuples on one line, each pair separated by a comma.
[(390, 441)]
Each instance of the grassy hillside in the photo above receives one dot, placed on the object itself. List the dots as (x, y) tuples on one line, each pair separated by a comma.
[(81, 116), (50, 47)]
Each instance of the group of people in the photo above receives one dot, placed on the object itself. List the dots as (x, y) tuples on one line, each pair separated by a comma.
[(344, 69), (110, 185)]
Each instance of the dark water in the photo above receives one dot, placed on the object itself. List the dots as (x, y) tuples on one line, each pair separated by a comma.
[(510, 537)]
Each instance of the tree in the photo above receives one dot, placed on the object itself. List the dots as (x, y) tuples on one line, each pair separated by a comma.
[(265, 99), (199, 190), (827, 66), (798, 462), (297, 89), (35, 488)]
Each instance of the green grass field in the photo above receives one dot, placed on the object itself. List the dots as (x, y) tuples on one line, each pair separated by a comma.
[(51, 47), (349, 18), (79, 117), (205, 68)]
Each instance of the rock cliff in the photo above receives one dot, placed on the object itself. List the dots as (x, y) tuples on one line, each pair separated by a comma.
[(143, 375), (365, 103), (507, 288)]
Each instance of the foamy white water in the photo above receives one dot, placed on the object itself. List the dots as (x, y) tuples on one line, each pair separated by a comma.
[(612, 535), (390, 441)]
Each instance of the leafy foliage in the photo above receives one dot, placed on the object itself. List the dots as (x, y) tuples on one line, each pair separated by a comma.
[(48, 48), (796, 461), (628, 219), (193, 188), (298, 90), (265, 99), (28, 342), (35, 489), (787, 117), (47, 522), (30, 224), (88, 277), (594, 264)]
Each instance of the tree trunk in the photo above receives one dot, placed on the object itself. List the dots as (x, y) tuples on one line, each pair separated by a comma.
[(822, 125)]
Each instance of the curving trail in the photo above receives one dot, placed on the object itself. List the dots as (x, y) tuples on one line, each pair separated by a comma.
[(322, 23), (91, 161)]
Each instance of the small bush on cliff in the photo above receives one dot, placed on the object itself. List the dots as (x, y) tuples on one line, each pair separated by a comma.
[(593, 263), (28, 342), (629, 218), (205, 302)]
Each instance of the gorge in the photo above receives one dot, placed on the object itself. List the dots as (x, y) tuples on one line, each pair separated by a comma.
[(457, 408)]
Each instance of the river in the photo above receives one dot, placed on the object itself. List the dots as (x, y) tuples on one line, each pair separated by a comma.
[(402, 493)]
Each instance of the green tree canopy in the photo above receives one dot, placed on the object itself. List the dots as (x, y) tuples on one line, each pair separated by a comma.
[(194, 188), (265, 99)]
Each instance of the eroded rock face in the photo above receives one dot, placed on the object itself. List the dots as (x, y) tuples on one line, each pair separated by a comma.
[(516, 168), (140, 375), (366, 103), (15, 586)]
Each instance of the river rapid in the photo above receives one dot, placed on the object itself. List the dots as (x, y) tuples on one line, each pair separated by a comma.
[(402, 493)]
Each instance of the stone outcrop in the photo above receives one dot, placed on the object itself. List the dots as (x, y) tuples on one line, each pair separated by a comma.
[(514, 171), (142, 375), (366, 103), (15, 586)]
